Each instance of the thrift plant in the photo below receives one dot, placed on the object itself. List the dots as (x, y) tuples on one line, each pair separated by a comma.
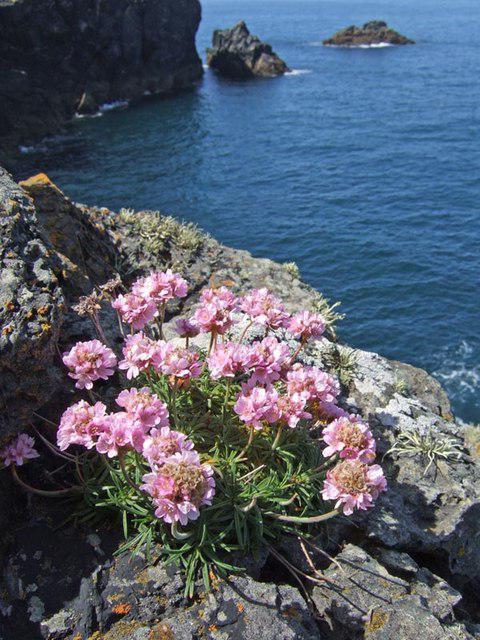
[(209, 452)]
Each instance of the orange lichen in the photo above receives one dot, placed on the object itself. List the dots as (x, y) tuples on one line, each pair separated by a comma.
[(240, 607), (122, 609), (376, 622), (7, 330), (36, 180), (213, 627)]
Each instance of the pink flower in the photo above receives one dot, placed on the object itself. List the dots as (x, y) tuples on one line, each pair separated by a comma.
[(179, 487), (354, 485), (291, 409), (221, 297), (138, 352), (81, 424), (264, 308), (135, 310), (160, 287), (89, 361), (186, 328), (176, 361), (163, 443), (350, 438), (256, 406), (119, 431), (214, 312), (19, 451), (305, 325), (226, 360), (267, 359), (318, 385), (144, 406)]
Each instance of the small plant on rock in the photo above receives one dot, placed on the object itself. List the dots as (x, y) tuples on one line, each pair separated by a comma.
[(210, 451)]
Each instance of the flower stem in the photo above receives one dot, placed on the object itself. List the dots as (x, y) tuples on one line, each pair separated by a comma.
[(247, 446), (277, 438), (297, 351), (304, 520), (59, 493), (244, 332), (121, 459)]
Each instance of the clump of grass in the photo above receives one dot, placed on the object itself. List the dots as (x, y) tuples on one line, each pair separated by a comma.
[(329, 312), (292, 269), (160, 233), (400, 385), (342, 362), (430, 445)]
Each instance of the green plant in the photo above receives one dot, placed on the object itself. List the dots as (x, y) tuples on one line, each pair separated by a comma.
[(329, 312), (292, 269), (343, 362), (429, 445)]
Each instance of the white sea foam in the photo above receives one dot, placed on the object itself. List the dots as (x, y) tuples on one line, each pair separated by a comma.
[(316, 43), (374, 45), (297, 72), (26, 149), (205, 67), (458, 371), (116, 104), (80, 116)]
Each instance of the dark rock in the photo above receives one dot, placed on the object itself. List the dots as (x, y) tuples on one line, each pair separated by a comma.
[(59, 58), (373, 32), (235, 53), (362, 599)]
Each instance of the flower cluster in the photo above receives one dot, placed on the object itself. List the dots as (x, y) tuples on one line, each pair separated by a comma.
[(88, 362), (266, 393), (180, 486), (148, 298), (18, 451)]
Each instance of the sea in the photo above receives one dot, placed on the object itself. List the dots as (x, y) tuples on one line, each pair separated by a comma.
[(360, 165)]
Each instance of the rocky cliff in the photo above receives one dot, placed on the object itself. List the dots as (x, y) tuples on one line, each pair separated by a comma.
[(66, 56), (409, 567)]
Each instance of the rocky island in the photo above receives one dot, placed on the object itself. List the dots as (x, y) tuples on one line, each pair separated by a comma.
[(75, 56), (375, 32), (410, 566), (236, 54)]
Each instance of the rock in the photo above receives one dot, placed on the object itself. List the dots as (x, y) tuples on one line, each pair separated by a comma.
[(60, 58), (374, 32), (235, 53), (362, 599), (32, 306)]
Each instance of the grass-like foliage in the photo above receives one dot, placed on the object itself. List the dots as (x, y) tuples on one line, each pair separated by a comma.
[(216, 451)]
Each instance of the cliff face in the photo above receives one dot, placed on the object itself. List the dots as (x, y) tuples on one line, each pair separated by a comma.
[(58, 57)]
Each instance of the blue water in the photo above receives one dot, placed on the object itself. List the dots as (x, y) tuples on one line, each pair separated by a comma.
[(363, 167)]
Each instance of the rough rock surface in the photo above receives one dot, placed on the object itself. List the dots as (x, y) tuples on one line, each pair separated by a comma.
[(372, 33), (59, 58), (410, 566), (235, 53)]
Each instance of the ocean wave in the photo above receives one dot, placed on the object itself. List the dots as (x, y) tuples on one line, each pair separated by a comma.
[(297, 72), (111, 106), (458, 371)]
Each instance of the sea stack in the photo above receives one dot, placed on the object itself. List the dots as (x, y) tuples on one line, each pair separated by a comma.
[(235, 53), (375, 32)]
